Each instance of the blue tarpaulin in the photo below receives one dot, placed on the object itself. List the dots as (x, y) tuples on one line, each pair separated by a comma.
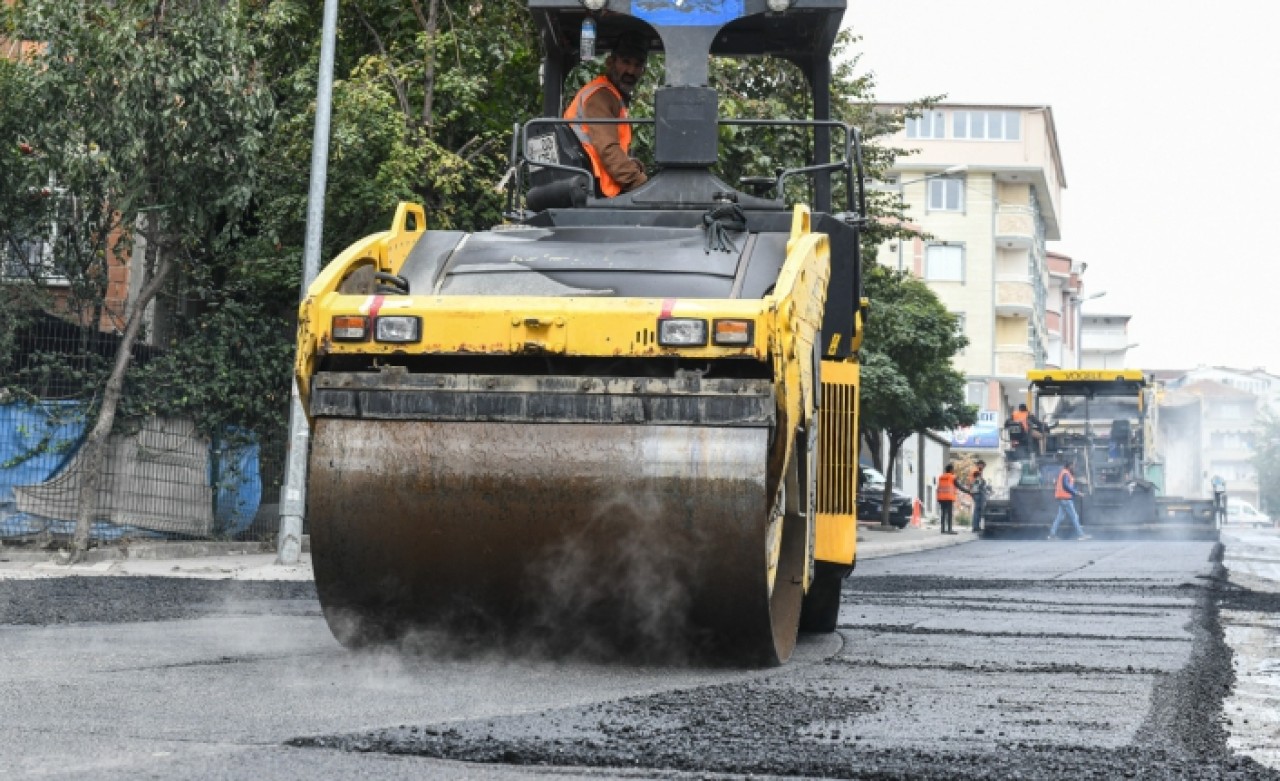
[(234, 473), (39, 440), (36, 440)]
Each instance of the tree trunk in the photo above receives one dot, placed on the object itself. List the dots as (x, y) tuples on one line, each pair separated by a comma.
[(886, 501), (871, 441), (93, 452), (429, 67)]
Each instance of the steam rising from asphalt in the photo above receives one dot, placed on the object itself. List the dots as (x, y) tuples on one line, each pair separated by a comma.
[(628, 597), (1178, 447), (614, 589)]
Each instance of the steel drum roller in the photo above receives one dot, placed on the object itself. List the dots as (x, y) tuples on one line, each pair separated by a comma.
[(633, 533)]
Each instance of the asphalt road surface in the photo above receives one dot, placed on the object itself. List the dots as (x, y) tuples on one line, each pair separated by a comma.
[(1053, 660)]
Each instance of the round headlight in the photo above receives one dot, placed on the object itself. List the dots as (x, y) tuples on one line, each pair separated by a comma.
[(595, 5)]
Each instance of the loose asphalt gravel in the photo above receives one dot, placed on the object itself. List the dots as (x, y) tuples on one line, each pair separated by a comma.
[(781, 726), (956, 677)]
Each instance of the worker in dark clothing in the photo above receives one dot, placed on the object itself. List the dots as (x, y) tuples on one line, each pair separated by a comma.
[(978, 489), (607, 97), (1219, 499), (1065, 492)]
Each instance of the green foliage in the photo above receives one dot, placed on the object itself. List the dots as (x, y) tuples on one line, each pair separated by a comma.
[(1266, 461), (146, 120), (770, 88), (228, 369), (417, 115), (908, 383)]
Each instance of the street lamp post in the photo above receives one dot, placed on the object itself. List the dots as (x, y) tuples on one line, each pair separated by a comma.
[(1079, 302), (293, 492)]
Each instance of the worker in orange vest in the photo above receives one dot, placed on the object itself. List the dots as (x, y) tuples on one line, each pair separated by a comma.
[(1031, 425), (1064, 491), (946, 496), (607, 97)]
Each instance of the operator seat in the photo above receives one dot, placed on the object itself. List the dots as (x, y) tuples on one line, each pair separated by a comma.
[(552, 188), (1019, 441), (1118, 448)]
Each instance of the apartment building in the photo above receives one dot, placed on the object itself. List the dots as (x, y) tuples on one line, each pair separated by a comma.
[(1105, 341), (985, 184), (1224, 434), (1259, 382)]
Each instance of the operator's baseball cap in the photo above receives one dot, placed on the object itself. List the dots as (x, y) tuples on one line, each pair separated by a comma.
[(632, 44)]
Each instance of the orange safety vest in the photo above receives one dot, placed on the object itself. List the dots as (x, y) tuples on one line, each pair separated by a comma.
[(1060, 490), (576, 110), (1020, 417), (946, 487)]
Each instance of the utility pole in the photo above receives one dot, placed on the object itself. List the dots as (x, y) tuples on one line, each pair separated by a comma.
[(293, 493)]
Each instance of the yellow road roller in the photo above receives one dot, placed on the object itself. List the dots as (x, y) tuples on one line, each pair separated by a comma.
[(625, 423)]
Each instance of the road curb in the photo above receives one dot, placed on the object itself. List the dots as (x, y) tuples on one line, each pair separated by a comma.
[(149, 551), (878, 549)]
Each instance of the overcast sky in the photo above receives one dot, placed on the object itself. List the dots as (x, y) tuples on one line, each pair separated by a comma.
[(1169, 125)]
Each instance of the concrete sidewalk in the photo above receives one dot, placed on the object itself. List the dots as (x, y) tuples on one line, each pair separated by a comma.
[(187, 559), (257, 561), (876, 541)]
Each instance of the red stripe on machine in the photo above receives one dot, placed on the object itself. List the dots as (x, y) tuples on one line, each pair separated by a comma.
[(667, 305)]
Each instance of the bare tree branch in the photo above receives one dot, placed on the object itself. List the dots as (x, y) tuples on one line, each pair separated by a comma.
[(430, 24), (402, 96)]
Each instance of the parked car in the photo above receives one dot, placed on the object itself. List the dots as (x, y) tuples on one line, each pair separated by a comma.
[(1242, 512), (871, 499)]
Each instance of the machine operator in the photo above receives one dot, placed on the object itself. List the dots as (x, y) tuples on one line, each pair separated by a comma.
[(607, 96)]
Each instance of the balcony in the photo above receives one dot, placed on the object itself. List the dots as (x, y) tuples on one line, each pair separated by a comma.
[(1100, 341), (1014, 361), (1015, 296), (1016, 226)]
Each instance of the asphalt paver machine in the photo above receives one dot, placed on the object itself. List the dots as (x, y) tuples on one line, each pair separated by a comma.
[(1101, 421)]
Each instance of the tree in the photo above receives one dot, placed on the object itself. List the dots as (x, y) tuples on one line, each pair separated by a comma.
[(771, 88), (148, 115), (425, 94), (1266, 461), (908, 384)]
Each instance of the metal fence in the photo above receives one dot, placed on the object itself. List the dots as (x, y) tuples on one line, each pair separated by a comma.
[(163, 476)]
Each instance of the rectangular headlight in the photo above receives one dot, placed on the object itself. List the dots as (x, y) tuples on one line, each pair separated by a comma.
[(398, 328), (682, 332), (350, 328), (732, 333)]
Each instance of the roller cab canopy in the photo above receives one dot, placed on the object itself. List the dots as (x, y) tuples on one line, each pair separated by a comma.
[(687, 32)]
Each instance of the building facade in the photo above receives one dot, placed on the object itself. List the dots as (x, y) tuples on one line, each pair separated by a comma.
[(1104, 341), (985, 184), (1223, 435)]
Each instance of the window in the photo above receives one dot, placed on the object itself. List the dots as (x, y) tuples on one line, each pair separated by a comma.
[(30, 260), (30, 257), (930, 124), (944, 263), (975, 393), (946, 195), (987, 125)]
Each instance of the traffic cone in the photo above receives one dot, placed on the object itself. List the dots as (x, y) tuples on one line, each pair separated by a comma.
[(915, 513)]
